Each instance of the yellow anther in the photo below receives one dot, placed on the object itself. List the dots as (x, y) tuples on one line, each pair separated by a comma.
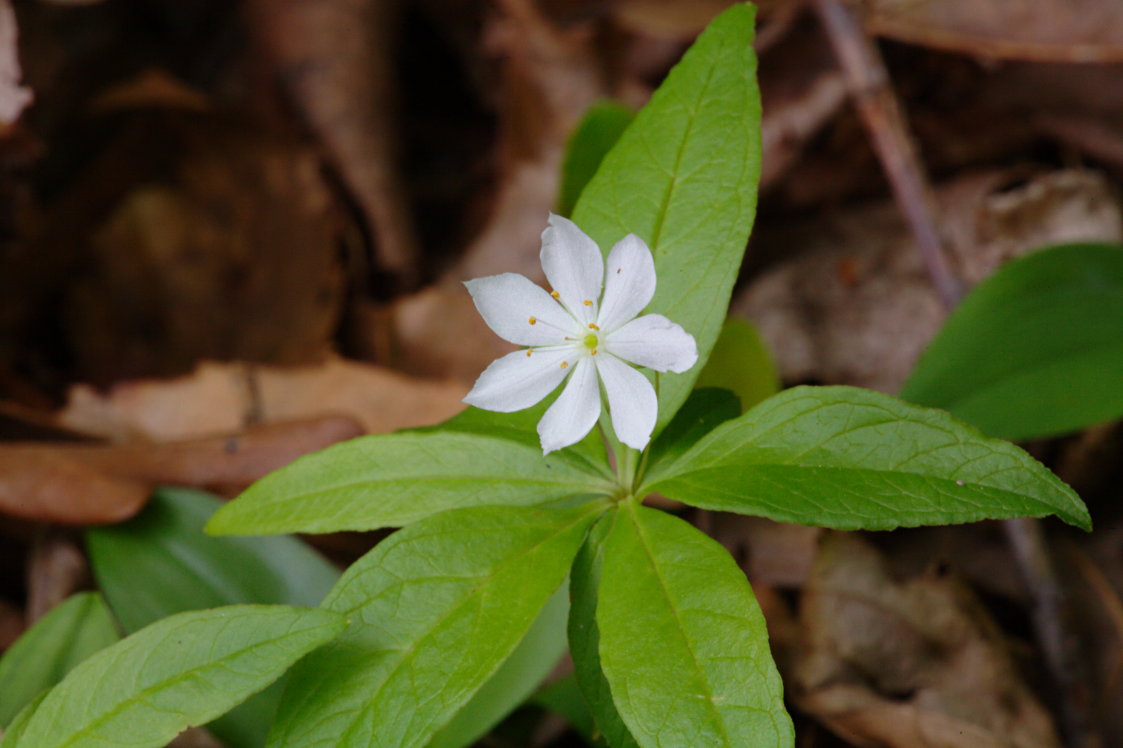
[(593, 327), (593, 352), (528, 352), (564, 364), (555, 294), (533, 321), (587, 302)]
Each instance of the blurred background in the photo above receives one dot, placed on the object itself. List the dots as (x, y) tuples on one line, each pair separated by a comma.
[(252, 217)]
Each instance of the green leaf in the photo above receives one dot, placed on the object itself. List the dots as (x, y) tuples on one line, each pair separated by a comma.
[(684, 178), (683, 643), (584, 636), (13, 733), (852, 459), (182, 671), (515, 680), (391, 480), (160, 563), (522, 427), (702, 412), (1035, 350), (741, 363), (50, 649), (597, 132), (435, 609)]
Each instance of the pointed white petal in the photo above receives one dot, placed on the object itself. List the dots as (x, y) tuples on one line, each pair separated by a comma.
[(575, 411), (574, 266), (517, 381), (629, 282), (654, 341), (508, 302), (631, 400)]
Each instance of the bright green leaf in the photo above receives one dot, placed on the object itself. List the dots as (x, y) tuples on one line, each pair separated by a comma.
[(182, 671), (850, 459), (1035, 350), (683, 643), (391, 480), (741, 363), (435, 609), (160, 563), (71, 632), (597, 132), (515, 680), (684, 178), (584, 636)]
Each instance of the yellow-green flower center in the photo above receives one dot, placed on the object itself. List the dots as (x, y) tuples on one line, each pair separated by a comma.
[(591, 341)]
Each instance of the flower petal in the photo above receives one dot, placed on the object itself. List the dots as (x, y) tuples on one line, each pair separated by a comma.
[(574, 266), (575, 411), (517, 381), (629, 282), (631, 401), (654, 341), (509, 301)]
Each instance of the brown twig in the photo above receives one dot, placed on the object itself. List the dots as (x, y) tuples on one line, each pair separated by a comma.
[(868, 82)]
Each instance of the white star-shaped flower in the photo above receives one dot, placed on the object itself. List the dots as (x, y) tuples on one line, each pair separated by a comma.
[(578, 332)]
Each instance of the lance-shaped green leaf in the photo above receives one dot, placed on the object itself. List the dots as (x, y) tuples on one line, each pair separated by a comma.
[(1035, 350), (391, 480), (741, 363), (160, 563), (515, 680), (683, 643), (182, 671), (435, 609), (598, 131), (13, 731), (850, 459), (584, 636), (74, 630), (684, 177)]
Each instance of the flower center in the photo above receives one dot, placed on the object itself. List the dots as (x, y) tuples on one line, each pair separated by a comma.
[(591, 342)]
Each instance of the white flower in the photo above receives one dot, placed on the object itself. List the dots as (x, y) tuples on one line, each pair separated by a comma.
[(576, 332)]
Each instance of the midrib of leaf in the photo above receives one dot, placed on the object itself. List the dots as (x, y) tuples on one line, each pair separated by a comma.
[(646, 546), (155, 688), (409, 652), (692, 117)]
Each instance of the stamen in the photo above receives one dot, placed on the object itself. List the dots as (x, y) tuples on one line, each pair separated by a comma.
[(564, 364), (618, 271), (593, 327), (533, 321), (555, 294), (593, 352), (587, 302), (528, 352)]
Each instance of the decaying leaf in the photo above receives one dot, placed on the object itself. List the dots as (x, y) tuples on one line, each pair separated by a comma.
[(912, 664), (222, 398), (856, 306)]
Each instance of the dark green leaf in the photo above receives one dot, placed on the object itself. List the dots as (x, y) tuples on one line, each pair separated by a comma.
[(683, 643), (182, 671), (564, 697), (702, 412), (74, 630), (598, 131), (741, 363), (391, 480), (684, 178), (161, 562), (848, 458), (584, 637), (435, 609), (1035, 350)]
